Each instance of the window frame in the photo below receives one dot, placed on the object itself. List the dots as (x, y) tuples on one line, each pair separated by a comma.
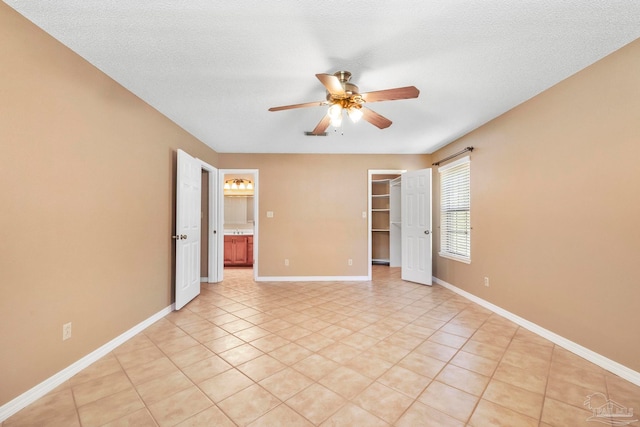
[(445, 251)]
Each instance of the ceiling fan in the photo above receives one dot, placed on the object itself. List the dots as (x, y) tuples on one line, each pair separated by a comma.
[(342, 95)]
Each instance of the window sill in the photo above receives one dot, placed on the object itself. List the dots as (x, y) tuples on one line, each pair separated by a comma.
[(455, 258)]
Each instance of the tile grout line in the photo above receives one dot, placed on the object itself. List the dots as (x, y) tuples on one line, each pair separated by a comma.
[(546, 384), (493, 375)]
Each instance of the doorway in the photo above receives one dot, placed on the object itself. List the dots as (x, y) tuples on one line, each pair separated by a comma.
[(384, 218), (209, 225), (400, 222), (238, 221)]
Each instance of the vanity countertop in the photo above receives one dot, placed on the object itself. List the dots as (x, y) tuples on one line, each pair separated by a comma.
[(238, 232)]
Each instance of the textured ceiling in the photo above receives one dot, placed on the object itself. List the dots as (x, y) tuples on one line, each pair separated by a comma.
[(215, 67)]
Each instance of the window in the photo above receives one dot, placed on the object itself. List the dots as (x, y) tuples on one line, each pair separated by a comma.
[(455, 210)]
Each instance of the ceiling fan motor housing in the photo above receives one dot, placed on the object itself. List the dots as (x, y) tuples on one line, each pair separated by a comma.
[(349, 88), (344, 76)]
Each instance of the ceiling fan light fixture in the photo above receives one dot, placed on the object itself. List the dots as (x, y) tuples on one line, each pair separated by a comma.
[(336, 122), (355, 114), (335, 112)]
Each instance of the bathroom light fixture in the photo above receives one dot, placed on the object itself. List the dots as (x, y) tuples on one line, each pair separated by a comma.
[(238, 184)]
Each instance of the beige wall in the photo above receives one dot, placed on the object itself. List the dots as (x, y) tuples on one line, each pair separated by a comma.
[(555, 209), (86, 210), (317, 201)]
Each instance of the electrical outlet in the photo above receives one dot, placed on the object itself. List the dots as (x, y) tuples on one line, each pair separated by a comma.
[(486, 282), (286, 262), (364, 214), (350, 262), (66, 331)]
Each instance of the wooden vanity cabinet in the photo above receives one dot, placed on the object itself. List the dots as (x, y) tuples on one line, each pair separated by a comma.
[(238, 250)]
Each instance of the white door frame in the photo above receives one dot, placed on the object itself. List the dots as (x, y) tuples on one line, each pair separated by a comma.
[(213, 275), (369, 243), (220, 189)]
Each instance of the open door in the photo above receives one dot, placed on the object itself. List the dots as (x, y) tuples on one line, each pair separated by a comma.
[(416, 226), (187, 237)]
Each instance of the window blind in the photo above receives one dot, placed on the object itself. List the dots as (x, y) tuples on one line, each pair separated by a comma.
[(455, 210)]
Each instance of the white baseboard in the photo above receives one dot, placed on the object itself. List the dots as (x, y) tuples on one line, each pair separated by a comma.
[(35, 393), (600, 360), (312, 279)]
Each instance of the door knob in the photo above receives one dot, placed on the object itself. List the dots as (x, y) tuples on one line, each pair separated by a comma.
[(426, 231), (183, 236)]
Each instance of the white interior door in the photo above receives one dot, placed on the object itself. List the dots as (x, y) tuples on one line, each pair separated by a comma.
[(188, 199), (416, 226)]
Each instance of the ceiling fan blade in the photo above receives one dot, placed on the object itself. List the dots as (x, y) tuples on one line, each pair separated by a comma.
[(391, 94), (332, 83), (321, 127), (375, 119), (306, 104)]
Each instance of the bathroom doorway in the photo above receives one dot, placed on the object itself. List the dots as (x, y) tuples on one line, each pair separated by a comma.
[(238, 219)]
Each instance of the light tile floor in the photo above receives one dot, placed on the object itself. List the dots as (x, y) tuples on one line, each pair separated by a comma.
[(378, 353)]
